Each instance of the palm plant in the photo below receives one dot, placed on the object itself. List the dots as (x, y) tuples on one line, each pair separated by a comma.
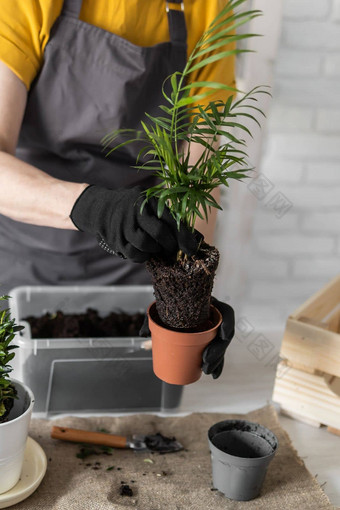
[(186, 187), (8, 329)]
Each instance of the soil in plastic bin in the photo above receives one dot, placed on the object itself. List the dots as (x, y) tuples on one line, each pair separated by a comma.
[(84, 325)]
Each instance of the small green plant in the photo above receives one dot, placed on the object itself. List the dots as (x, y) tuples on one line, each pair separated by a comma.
[(8, 329), (186, 188)]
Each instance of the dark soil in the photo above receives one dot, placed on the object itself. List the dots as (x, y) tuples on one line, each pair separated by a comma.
[(83, 325), (183, 289), (159, 443), (204, 326), (125, 490)]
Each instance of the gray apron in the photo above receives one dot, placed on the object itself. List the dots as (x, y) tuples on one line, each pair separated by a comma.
[(92, 82)]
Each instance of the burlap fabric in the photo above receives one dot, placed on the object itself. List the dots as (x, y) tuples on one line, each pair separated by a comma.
[(177, 481)]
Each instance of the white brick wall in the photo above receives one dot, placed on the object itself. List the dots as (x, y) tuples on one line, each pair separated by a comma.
[(290, 118), (266, 221), (310, 197), (291, 256), (318, 173), (280, 170), (325, 222), (311, 35), (304, 146), (270, 268), (320, 266), (321, 91), (332, 65), (336, 11), (328, 120), (291, 244), (299, 63), (305, 9)]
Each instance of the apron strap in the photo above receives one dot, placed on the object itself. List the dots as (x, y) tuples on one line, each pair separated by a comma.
[(176, 20), (71, 8)]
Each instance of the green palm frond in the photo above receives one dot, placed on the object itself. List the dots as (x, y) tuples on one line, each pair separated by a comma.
[(187, 188)]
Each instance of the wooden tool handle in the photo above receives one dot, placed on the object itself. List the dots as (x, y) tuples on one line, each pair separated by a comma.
[(85, 436)]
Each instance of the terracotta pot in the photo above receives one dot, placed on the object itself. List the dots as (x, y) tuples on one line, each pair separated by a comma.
[(177, 355)]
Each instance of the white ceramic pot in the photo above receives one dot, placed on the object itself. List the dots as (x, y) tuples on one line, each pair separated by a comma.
[(13, 436)]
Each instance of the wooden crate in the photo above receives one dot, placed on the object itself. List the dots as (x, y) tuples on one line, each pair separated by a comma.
[(307, 384), (308, 397), (312, 335)]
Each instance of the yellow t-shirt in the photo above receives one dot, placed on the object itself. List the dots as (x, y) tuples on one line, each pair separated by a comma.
[(25, 28)]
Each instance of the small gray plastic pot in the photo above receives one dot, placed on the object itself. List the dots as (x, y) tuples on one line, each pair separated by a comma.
[(240, 454)]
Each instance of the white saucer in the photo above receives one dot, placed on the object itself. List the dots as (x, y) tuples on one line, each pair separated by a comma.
[(33, 471)]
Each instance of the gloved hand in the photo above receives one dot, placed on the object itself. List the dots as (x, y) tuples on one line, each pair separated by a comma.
[(113, 216), (213, 354)]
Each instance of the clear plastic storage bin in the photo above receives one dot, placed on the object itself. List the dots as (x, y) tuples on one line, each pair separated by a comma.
[(88, 374)]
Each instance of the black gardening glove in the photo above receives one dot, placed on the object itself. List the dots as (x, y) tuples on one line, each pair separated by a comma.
[(213, 354), (114, 217)]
